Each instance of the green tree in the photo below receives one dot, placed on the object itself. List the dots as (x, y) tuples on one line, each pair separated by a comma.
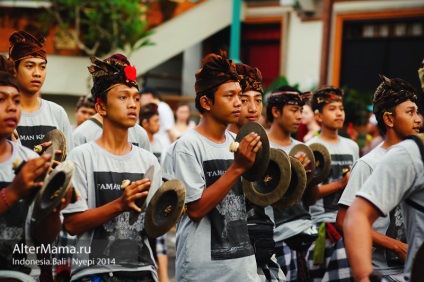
[(100, 27)]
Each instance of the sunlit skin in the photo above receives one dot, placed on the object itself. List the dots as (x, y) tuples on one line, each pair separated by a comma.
[(216, 117), (251, 109), (10, 111), (332, 116), (227, 105), (182, 114), (31, 74), (123, 106), (151, 126), (405, 120), (308, 115), (84, 113), (286, 121), (119, 113), (24, 183)]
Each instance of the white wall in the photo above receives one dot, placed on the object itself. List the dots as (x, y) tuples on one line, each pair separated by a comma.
[(304, 41)]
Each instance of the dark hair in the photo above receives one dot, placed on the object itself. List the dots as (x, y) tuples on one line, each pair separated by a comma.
[(150, 89), (85, 101), (279, 101), (209, 93), (325, 95), (147, 111), (390, 93)]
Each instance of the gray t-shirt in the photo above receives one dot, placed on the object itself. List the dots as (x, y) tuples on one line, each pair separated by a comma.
[(167, 168), (14, 223), (33, 126), (90, 131), (343, 154), (403, 175), (156, 147), (116, 245), (217, 248), (293, 220), (362, 169)]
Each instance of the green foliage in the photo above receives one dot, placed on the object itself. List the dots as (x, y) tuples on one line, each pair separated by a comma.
[(101, 26), (355, 104)]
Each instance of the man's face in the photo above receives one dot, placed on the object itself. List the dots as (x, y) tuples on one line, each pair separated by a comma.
[(146, 98), (227, 105), (332, 115), (251, 107), (406, 120), (84, 113), (152, 125), (123, 106), (10, 110), (31, 74), (288, 119)]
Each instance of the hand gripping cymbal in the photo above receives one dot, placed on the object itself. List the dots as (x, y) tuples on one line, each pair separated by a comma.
[(257, 171), (297, 185), (322, 163), (165, 208), (302, 148), (58, 140), (141, 203), (275, 183), (55, 187)]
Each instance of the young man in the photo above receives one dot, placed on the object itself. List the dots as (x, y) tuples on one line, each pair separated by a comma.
[(39, 116), (251, 108), (15, 229), (149, 120), (294, 231), (166, 115), (84, 110), (400, 170), (212, 238), (114, 249), (327, 103), (396, 111)]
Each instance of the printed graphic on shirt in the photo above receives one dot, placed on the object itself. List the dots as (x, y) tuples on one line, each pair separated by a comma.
[(396, 230), (117, 240), (32, 135), (338, 163), (229, 237), (12, 233)]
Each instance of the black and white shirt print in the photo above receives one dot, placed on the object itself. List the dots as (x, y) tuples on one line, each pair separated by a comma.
[(338, 163), (229, 236), (12, 233), (117, 239), (33, 135)]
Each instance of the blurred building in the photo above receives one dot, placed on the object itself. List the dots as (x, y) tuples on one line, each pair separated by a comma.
[(310, 42)]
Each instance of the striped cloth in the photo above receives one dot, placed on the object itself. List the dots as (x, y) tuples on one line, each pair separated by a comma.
[(271, 272), (335, 268)]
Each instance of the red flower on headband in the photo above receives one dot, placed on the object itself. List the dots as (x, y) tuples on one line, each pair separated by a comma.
[(332, 96), (130, 73)]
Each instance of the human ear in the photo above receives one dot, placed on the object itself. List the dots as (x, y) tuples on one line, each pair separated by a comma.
[(388, 119), (275, 112), (101, 109), (205, 102)]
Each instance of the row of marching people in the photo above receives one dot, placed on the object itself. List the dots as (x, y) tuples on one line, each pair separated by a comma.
[(251, 205)]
